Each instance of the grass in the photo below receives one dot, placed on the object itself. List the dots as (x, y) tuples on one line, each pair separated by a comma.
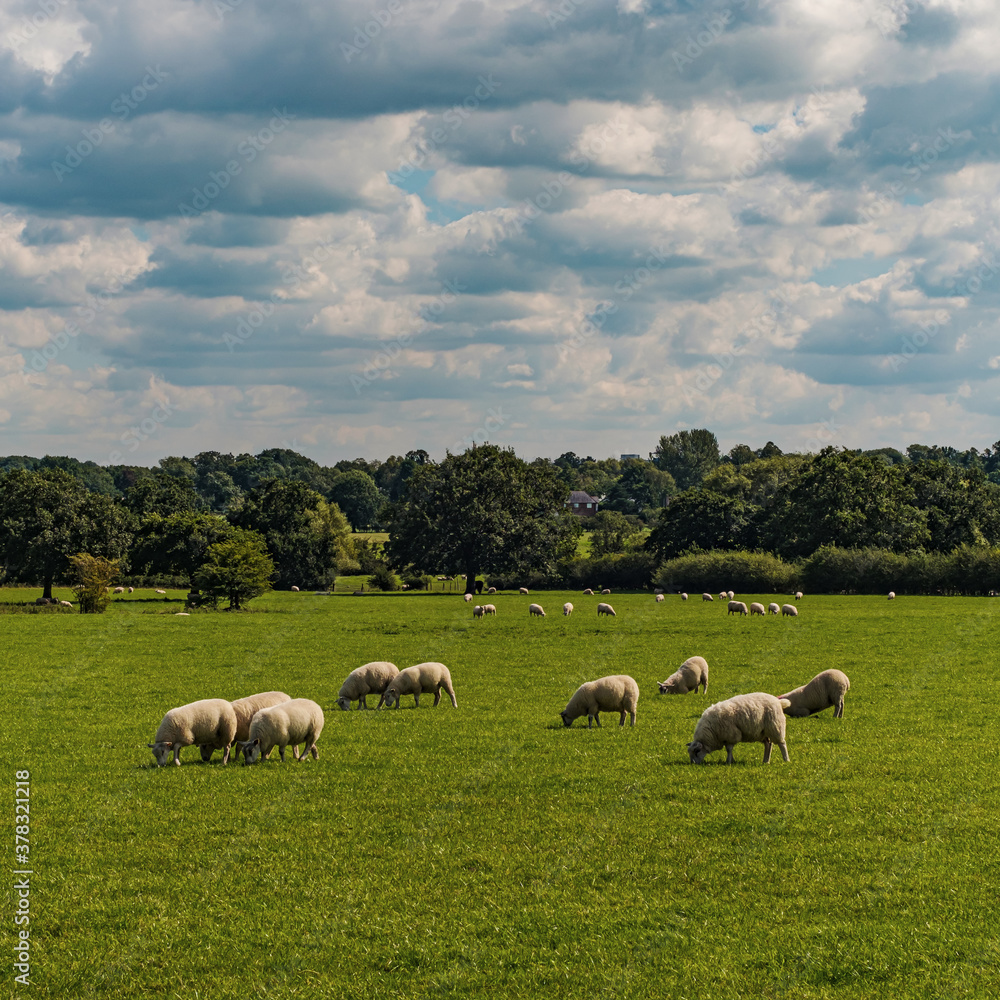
[(488, 850)]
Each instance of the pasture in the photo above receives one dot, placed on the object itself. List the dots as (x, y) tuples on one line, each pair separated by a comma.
[(488, 850)]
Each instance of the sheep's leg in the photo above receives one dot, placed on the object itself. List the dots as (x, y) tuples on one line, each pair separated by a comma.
[(177, 755), (437, 696), (729, 753), (590, 722), (632, 717), (362, 703), (295, 750), (451, 694), (597, 719), (839, 712), (784, 751), (621, 718), (281, 751), (416, 700), (767, 751), (225, 754)]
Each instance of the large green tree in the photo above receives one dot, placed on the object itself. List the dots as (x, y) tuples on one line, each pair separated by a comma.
[(483, 511), (961, 505), (161, 494), (48, 516), (701, 519), (177, 544), (356, 494), (688, 456), (238, 568)]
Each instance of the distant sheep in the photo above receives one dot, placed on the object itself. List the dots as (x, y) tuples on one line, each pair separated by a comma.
[(790, 610), (747, 718), (371, 678), (491, 590), (723, 595), (160, 591), (210, 722), (131, 590), (707, 597), (478, 611), (798, 595), (589, 592), (567, 608), (246, 709), (119, 590), (489, 609), (659, 598), (605, 591), (295, 590), (522, 590), (687, 677), (537, 610), (423, 678), (892, 595), (605, 609), (825, 690), (65, 604), (289, 724), (467, 598), (730, 594), (773, 609), (737, 608), (756, 609), (618, 693), (684, 597)]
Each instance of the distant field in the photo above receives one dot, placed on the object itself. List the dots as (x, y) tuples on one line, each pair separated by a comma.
[(488, 851)]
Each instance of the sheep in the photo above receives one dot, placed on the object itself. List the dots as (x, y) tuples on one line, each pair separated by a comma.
[(756, 609), (746, 718), (131, 590), (823, 691), (605, 609), (567, 608), (730, 594), (589, 593), (289, 724), (489, 609), (523, 590), (723, 595), (467, 598), (773, 609), (210, 722), (491, 590), (372, 678), (687, 677), (618, 693), (182, 614), (65, 604), (790, 610), (420, 679), (707, 597), (537, 610), (684, 597), (892, 595), (295, 590), (160, 591), (659, 598), (737, 608), (119, 590), (798, 595), (478, 611), (246, 709), (605, 591)]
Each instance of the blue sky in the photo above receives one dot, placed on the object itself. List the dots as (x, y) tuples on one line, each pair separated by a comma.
[(361, 228)]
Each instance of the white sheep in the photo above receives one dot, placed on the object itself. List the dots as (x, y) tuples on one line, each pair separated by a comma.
[(119, 590), (659, 598), (246, 709), (65, 604), (131, 590), (756, 609), (295, 590), (289, 724), (371, 678), (798, 595), (707, 597), (567, 608), (825, 690), (478, 611), (892, 595), (684, 597), (491, 590), (489, 609), (589, 592), (730, 594), (536, 609), (737, 608), (773, 609), (605, 609), (467, 598), (210, 722), (790, 610), (687, 677), (618, 693), (160, 591), (522, 590), (423, 678), (723, 595), (605, 591), (747, 718)]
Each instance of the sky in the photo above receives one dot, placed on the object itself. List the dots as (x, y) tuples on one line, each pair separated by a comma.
[(360, 228)]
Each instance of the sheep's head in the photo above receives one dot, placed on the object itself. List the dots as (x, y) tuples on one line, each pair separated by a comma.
[(697, 752), (344, 704), (251, 750), (161, 752), (206, 753), (389, 697), (669, 686), (567, 718)]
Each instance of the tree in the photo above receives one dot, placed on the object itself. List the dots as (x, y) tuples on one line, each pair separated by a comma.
[(485, 510), (238, 569), (305, 535), (356, 494), (740, 454), (961, 506), (177, 544), (161, 494), (639, 487), (48, 516), (700, 519), (611, 533), (94, 579), (688, 456)]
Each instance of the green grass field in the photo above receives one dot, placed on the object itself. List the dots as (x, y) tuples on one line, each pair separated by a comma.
[(489, 851)]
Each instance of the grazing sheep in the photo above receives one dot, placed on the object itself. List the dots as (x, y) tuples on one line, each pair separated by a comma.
[(210, 722), (567, 608), (489, 609), (131, 590), (119, 590), (773, 609), (684, 597), (723, 595), (589, 592), (892, 595), (790, 610), (467, 598), (491, 590), (747, 718), (756, 609), (618, 693), (522, 590), (798, 595), (823, 691), (372, 678), (537, 610), (659, 598), (730, 594), (423, 678), (707, 597), (289, 724), (246, 709), (687, 677), (160, 591), (478, 611), (605, 591), (182, 614), (295, 590), (65, 604), (737, 608), (605, 609)]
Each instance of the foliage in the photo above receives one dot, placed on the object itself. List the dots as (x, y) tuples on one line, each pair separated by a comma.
[(417, 581), (368, 553), (383, 578), (485, 510), (746, 572), (641, 487), (611, 533), (238, 569), (688, 456), (961, 506), (95, 577), (356, 494), (700, 519), (628, 571), (161, 494), (177, 544)]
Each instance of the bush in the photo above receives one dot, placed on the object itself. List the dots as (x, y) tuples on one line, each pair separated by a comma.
[(535, 580), (383, 578), (631, 571), (747, 572), (417, 581), (95, 576)]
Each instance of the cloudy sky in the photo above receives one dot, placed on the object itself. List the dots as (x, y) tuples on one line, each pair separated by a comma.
[(361, 228)]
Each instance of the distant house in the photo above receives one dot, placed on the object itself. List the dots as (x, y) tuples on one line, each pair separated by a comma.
[(629, 455), (582, 504)]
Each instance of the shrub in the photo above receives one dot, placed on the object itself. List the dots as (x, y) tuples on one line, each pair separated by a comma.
[(417, 581), (95, 576), (383, 578), (631, 571), (747, 572)]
